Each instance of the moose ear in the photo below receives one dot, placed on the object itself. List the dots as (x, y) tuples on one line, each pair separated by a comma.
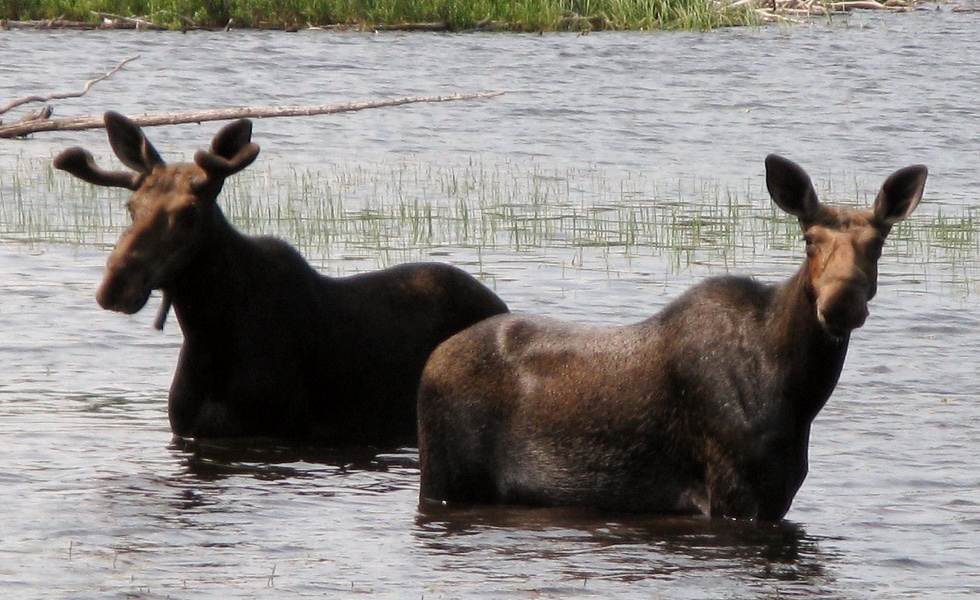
[(80, 163), (130, 145), (900, 194), (791, 188)]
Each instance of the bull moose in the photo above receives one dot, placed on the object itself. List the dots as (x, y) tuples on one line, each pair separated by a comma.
[(271, 347), (702, 409)]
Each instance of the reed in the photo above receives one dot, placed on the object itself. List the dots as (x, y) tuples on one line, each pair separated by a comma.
[(452, 15), (363, 216)]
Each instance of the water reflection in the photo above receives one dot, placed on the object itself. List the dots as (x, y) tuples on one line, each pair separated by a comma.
[(270, 459), (628, 548)]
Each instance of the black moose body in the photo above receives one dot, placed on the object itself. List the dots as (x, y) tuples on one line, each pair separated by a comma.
[(271, 347), (703, 409)]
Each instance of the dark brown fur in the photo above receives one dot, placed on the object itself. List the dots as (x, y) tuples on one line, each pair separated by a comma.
[(704, 408), (271, 347)]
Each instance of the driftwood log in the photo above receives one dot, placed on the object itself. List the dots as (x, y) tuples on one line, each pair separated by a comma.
[(785, 10), (224, 114)]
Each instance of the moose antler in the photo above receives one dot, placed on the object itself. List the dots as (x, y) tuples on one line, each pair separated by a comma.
[(220, 167), (231, 150), (80, 163)]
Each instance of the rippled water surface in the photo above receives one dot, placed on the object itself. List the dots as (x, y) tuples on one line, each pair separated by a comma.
[(617, 170)]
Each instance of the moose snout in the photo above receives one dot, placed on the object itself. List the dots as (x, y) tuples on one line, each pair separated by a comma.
[(124, 289), (842, 306)]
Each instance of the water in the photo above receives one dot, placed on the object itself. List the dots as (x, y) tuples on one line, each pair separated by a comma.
[(98, 502)]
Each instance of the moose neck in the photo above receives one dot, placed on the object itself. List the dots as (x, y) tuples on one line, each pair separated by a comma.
[(204, 294), (812, 358)]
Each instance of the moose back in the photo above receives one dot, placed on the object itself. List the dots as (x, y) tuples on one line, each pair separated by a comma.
[(271, 347)]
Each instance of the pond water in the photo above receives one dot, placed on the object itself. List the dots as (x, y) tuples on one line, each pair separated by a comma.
[(613, 129)]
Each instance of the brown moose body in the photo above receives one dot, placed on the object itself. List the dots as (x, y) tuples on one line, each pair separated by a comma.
[(704, 408), (271, 347)]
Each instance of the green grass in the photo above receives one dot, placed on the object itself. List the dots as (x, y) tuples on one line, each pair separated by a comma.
[(454, 15), (413, 207), (350, 217)]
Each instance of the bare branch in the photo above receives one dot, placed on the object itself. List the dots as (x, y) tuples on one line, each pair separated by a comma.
[(61, 95), (225, 114), (777, 10), (135, 22)]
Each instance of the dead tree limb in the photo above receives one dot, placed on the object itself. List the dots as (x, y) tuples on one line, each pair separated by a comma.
[(62, 95), (109, 20), (225, 114)]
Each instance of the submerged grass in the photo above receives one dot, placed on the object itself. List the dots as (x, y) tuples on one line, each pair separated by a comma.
[(358, 217), (407, 209), (453, 15)]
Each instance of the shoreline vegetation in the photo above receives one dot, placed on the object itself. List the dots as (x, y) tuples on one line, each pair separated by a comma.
[(580, 16)]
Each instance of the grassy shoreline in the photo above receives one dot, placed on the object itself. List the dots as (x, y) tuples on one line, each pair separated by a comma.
[(445, 15)]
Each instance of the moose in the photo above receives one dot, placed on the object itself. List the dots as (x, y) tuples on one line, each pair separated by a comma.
[(271, 347), (703, 409)]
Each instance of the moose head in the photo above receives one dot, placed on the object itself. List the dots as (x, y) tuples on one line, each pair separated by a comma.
[(843, 244), (170, 206)]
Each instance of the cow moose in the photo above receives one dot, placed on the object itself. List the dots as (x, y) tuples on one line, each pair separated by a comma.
[(703, 409), (271, 347)]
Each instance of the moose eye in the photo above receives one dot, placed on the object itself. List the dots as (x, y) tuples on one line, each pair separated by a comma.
[(810, 247)]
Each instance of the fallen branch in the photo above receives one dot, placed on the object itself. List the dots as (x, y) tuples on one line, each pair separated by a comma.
[(769, 16), (226, 114), (62, 95), (437, 26), (773, 10), (111, 21)]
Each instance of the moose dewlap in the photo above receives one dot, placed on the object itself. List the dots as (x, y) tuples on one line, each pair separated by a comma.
[(704, 408)]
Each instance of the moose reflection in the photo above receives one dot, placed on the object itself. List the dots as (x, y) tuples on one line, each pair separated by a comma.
[(271, 347), (704, 408)]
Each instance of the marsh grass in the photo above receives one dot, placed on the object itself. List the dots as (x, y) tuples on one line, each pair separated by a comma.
[(410, 208), (453, 15), (35, 210), (348, 218)]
